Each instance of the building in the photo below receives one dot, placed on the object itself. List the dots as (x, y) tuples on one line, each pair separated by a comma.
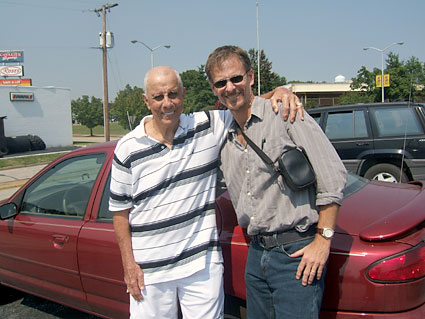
[(321, 93), (41, 111)]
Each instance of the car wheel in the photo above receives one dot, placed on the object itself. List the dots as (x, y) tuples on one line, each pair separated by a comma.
[(386, 173)]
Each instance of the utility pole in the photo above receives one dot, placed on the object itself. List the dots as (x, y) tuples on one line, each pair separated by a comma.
[(105, 69)]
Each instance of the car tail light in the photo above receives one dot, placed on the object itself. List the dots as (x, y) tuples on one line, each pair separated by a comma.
[(406, 266)]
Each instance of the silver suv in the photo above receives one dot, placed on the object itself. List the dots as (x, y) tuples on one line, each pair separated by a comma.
[(381, 141)]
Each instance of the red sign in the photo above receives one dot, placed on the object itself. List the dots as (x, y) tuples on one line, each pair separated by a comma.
[(19, 82), (16, 70), (21, 96)]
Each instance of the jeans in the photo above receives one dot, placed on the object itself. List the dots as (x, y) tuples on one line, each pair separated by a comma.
[(272, 291)]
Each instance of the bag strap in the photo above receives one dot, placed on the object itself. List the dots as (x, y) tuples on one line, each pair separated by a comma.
[(257, 150)]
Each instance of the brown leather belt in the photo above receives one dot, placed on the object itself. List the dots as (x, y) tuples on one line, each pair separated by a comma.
[(271, 240)]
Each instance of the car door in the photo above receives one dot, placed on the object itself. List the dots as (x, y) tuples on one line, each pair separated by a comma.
[(100, 262), (351, 135), (39, 252)]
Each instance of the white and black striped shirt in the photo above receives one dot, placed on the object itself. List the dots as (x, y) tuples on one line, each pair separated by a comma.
[(171, 194)]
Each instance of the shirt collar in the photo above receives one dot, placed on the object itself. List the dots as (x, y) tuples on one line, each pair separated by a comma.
[(257, 110)]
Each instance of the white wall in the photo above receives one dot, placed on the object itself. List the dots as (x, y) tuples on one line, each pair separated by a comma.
[(48, 116)]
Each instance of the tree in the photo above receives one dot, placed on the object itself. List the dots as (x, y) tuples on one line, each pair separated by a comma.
[(129, 106), (198, 92), (405, 78), (268, 79), (88, 112), (354, 98)]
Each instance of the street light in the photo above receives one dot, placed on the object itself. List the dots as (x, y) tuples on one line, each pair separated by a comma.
[(151, 49), (382, 62)]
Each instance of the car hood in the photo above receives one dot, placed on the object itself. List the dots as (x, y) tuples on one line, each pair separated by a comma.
[(383, 211)]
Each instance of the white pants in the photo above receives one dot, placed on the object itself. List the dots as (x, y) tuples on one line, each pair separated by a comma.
[(200, 295)]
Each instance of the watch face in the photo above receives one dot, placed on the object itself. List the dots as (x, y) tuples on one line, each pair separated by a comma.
[(328, 233)]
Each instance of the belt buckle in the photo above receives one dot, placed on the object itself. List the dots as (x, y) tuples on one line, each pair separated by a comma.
[(261, 241)]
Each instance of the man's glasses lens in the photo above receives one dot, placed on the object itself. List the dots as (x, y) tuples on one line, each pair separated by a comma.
[(222, 83)]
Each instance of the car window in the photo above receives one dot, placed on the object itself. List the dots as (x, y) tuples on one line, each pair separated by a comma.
[(349, 124), (65, 189), (396, 121), (104, 213)]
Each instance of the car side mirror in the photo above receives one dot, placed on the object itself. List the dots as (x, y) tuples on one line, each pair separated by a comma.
[(8, 211)]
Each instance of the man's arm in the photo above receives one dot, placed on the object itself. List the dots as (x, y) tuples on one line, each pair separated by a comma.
[(290, 103), (133, 274), (316, 253)]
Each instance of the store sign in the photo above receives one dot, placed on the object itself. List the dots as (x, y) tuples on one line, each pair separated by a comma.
[(17, 82), (16, 70), (21, 96), (11, 56)]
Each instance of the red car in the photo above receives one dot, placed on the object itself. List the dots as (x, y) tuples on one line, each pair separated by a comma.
[(57, 242)]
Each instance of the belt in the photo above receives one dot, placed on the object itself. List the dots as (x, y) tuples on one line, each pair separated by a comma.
[(271, 240)]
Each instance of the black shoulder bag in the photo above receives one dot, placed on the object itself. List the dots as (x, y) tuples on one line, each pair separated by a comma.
[(293, 165)]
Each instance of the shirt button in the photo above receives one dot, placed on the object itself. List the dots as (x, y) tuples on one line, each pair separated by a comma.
[(252, 218), (249, 193), (247, 171), (245, 150), (162, 147)]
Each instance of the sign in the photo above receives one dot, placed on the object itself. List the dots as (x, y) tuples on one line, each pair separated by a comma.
[(21, 96), (378, 81), (11, 56), (18, 82), (16, 70), (386, 80)]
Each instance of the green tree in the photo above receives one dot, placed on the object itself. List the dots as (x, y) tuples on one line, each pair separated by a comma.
[(268, 79), (354, 98), (405, 79), (198, 92), (88, 112), (129, 106)]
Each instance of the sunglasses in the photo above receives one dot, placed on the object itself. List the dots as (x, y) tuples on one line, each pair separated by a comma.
[(234, 79)]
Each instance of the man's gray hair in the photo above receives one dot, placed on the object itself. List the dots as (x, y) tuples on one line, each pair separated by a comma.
[(176, 73)]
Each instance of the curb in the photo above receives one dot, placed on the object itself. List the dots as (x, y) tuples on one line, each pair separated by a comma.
[(12, 184)]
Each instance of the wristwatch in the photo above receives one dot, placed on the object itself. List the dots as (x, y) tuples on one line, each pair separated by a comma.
[(327, 233)]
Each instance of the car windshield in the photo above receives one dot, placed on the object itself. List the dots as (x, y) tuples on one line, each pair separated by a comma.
[(354, 184)]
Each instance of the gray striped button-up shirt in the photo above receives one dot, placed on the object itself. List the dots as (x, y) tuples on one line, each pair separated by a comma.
[(262, 200)]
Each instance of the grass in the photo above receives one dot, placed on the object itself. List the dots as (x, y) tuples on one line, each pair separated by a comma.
[(28, 160), (114, 129)]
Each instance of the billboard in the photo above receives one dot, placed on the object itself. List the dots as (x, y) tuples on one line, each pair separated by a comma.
[(11, 56), (18, 82), (13, 70)]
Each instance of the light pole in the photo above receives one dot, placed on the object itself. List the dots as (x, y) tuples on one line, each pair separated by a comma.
[(151, 49), (382, 63)]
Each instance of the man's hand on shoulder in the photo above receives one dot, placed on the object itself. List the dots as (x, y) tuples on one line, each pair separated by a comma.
[(288, 101)]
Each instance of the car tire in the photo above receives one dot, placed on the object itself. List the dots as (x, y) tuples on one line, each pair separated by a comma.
[(37, 144), (386, 173)]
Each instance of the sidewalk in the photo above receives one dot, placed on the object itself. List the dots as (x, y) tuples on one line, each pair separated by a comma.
[(12, 179)]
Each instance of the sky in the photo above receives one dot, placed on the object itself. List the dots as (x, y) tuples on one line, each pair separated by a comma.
[(306, 40)]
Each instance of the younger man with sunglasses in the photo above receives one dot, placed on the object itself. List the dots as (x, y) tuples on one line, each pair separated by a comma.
[(290, 238), (163, 197)]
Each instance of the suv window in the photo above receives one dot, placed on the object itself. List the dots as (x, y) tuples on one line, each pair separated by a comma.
[(396, 121), (65, 189), (350, 124)]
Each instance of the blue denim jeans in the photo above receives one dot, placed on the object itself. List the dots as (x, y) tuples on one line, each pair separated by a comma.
[(272, 291)]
